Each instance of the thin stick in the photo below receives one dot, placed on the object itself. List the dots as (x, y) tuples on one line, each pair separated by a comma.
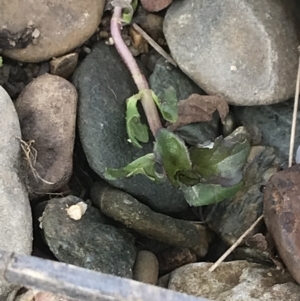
[(139, 79), (154, 44), (295, 114), (235, 245)]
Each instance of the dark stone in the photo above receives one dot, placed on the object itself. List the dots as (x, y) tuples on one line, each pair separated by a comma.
[(104, 84), (87, 242), (231, 218), (165, 75), (274, 125)]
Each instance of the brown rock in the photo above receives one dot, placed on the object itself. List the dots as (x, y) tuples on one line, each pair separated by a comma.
[(282, 212), (173, 258), (64, 66), (146, 267), (56, 27), (155, 5), (47, 114)]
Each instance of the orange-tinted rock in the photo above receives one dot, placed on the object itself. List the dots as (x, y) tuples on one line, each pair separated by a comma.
[(282, 216), (155, 5)]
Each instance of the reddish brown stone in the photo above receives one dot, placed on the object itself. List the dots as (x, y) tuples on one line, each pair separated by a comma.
[(155, 5), (282, 216)]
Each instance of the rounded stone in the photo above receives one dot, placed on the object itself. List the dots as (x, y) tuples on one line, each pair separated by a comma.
[(243, 50), (61, 25)]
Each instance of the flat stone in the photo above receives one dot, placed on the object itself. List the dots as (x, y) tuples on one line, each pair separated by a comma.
[(87, 242), (234, 281), (281, 212), (250, 59), (15, 217), (231, 218), (164, 76), (47, 113), (104, 84), (61, 26)]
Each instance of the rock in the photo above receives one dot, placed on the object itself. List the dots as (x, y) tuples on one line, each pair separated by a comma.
[(87, 242), (281, 211), (234, 281), (65, 65), (61, 26), (155, 5), (102, 128), (146, 268), (247, 59), (173, 258), (231, 218), (47, 113), (125, 209), (264, 120), (151, 23), (15, 217), (164, 76)]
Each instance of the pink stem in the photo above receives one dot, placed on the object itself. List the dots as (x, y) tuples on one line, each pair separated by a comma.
[(139, 79)]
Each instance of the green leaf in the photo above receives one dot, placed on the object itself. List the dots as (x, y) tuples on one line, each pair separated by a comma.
[(206, 194), (1, 61), (135, 129), (223, 164), (172, 152), (144, 165), (129, 11), (167, 103)]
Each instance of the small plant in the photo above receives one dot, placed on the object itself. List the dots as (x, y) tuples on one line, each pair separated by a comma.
[(205, 175)]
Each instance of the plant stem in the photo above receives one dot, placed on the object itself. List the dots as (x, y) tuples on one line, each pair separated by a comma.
[(139, 79)]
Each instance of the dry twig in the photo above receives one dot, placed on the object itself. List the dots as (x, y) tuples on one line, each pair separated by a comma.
[(295, 114), (154, 44), (235, 245)]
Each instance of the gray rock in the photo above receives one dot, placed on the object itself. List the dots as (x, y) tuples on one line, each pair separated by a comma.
[(125, 209), (15, 217), (87, 242), (231, 218), (244, 50), (104, 84), (234, 281), (273, 124), (165, 75)]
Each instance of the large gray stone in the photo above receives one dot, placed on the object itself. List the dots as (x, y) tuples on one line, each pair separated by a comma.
[(104, 84), (245, 50), (15, 217)]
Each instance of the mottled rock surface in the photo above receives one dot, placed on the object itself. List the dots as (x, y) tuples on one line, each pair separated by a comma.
[(250, 59), (281, 213), (87, 242), (234, 281)]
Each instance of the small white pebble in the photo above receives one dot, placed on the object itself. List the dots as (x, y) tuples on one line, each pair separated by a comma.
[(35, 34), (233, 68), (77, 211)]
